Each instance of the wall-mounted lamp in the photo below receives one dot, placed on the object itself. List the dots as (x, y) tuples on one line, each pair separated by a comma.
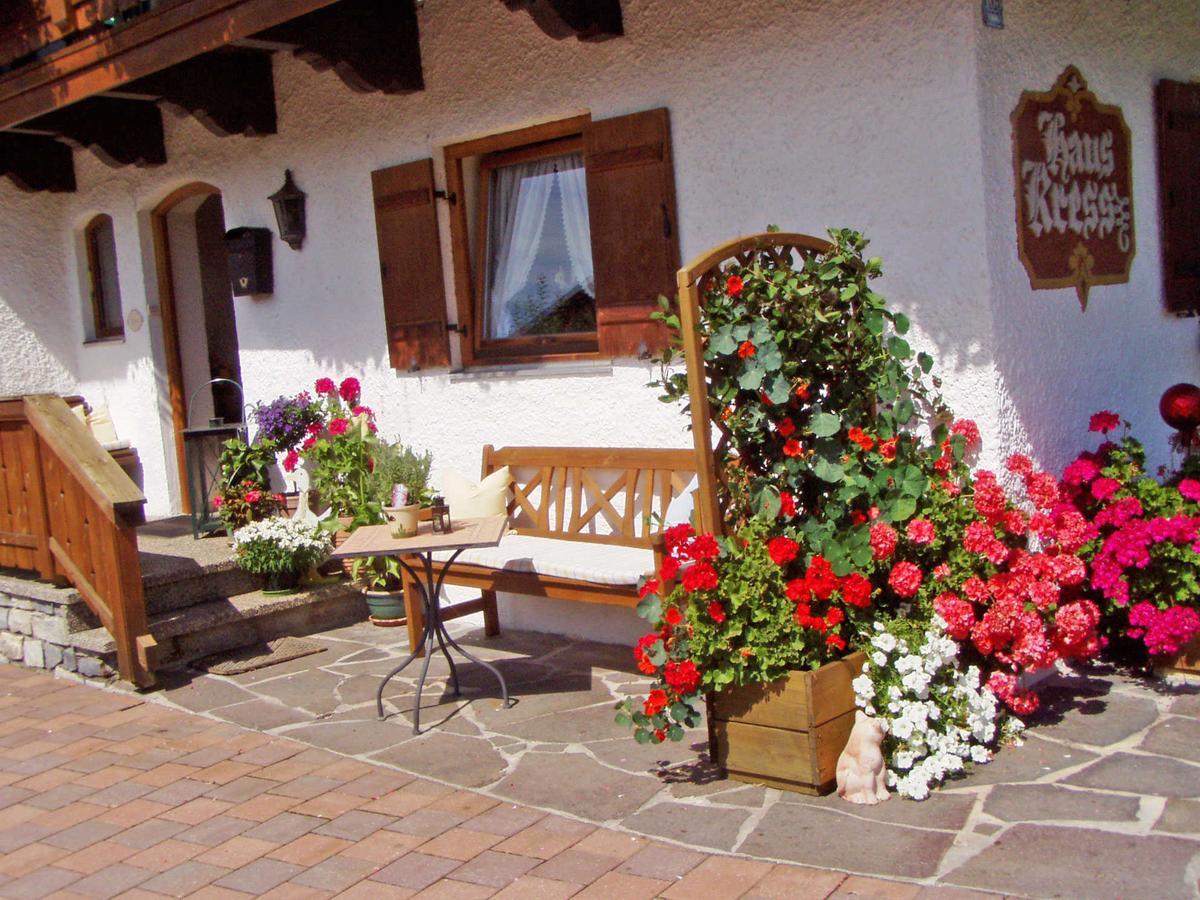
[(289, 211)]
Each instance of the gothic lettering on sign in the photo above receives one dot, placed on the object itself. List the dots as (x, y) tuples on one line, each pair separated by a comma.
[(1074, 190)]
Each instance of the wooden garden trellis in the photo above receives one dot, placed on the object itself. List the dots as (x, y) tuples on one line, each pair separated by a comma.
[(694, 281)]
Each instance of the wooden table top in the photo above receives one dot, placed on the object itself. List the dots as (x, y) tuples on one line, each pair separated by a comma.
[(377, 540)]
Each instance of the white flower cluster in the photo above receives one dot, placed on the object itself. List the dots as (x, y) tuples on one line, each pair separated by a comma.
[(289, 535), (939, 716)]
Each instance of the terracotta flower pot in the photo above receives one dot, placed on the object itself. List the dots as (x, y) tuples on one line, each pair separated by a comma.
[(786, 734)]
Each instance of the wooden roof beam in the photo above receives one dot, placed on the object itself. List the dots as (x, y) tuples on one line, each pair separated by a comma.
[(587, 20), (229, 91), (120, 132), (372, 45), (37, 163)]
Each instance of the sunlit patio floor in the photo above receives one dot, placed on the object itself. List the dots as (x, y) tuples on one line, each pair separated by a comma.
[(1099, 801)]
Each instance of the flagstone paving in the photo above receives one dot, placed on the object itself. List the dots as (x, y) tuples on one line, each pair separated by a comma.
[(550, 795)]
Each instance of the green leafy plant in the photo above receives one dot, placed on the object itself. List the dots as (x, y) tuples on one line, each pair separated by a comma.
[(398, 463), (342, 454), (810, 378), (244, 502), (376, 573)]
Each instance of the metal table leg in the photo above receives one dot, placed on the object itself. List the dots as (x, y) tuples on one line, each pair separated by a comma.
[(431, 589)]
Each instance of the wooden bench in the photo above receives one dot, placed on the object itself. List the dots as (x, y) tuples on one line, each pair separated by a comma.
[(595, 497)]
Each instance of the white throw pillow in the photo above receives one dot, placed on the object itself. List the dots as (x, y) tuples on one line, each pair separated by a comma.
[(468, 500)]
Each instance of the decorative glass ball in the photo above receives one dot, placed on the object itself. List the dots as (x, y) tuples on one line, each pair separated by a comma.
[(1180, 406)]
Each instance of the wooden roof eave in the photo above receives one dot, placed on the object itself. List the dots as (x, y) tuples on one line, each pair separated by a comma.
[(154, 41)]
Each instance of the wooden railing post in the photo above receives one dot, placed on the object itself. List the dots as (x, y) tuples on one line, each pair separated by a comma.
[(84, 512)]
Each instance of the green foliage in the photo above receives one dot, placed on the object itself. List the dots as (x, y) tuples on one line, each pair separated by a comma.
[(810, 377), (398, 463)]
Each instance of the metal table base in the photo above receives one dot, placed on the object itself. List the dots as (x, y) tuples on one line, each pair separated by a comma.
[(431, 588)]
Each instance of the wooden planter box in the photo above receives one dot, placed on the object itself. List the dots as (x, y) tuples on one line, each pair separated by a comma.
[(787, 734), (1186, 663)]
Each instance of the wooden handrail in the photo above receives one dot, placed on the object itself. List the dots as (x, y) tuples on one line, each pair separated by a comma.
[(69, 439), (69, 513)]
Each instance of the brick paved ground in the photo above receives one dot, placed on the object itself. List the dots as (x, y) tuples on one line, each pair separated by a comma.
[(104, 795)]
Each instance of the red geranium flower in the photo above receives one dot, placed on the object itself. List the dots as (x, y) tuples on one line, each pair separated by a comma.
[(860, 437), (656, 702), (682, 676), (291, 461), (673, 616), (699, 576), (704, 547), (309, 443), (670, 568), (782, 549), (856, 590), (1104, 421), (835, 641), (733, 285), (785, 427), (920, 531), (887, 449), (338, 426), (745, 349), (905, 579), (253, 496), (883, 540), (717, 612), (325, 386), (787, 505), (792, 448), (650, 587), (349, 389)]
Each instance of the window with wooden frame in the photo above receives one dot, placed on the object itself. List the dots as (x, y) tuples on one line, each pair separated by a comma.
[(562, 237), (1178, 113), (100, 245)]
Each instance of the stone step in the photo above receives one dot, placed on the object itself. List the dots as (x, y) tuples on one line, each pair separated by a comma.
[(182, 586), (213, 626)]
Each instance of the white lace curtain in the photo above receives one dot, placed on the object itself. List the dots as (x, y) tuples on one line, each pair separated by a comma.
[(520, 201)]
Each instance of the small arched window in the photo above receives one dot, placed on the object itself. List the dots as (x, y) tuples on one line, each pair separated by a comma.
[(107, 319)]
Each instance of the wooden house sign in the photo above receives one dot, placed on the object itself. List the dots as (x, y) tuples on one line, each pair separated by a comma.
[(1071, 160)]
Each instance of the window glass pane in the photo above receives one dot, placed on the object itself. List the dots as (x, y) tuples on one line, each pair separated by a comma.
[(538, 277), (108, 290)]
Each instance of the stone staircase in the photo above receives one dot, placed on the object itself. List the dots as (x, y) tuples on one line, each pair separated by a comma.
[(198, 603)]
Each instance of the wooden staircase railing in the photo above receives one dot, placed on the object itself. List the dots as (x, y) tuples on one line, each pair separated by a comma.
[(69, 512)]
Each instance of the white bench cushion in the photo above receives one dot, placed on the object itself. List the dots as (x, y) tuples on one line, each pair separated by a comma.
[(597, 563)]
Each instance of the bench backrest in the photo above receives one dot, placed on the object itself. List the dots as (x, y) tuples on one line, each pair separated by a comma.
[(604, 495)]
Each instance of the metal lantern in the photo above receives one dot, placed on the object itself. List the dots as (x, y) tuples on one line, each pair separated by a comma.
[(202, 458), (439, 515), (202, 455), (289, 211)]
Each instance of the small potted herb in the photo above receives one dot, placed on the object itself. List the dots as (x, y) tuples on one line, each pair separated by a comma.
[(281, 550)]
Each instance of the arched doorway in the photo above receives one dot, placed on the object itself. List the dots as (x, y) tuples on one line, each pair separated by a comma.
[(199, 328)]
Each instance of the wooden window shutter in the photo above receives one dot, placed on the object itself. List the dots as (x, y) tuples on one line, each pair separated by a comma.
[(1178, 108), (410, 266), (635, 242)]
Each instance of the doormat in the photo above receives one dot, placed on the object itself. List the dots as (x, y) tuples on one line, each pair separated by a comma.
[(257, 656)]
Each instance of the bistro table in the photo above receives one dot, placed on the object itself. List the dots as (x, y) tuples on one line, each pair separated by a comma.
[(377, 540)]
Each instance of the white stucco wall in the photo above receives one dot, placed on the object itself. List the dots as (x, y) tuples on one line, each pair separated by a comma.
[(1057, 364), (887, 117)]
